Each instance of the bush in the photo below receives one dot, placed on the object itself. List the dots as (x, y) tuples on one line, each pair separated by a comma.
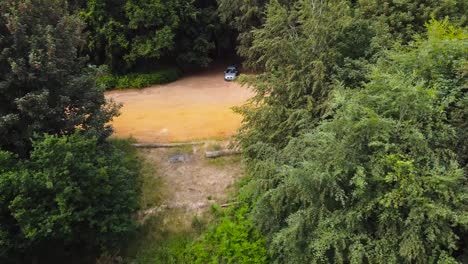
[(138, 80), (234, 239), (106, 81), (72, 195)]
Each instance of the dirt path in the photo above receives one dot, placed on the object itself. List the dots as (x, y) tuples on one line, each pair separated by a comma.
[(194, 107)]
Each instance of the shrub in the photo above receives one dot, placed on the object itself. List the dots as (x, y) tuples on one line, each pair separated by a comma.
[(138, 80), (72, 194), (106, 81), (234, 239)]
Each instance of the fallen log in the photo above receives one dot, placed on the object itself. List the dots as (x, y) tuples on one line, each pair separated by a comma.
[(166, 145), (221, 153)]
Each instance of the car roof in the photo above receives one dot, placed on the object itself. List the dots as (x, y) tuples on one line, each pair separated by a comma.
[(231, 67)]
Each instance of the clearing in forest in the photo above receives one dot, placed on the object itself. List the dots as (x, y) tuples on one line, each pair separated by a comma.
[(195, 107), (187, 182), (180, 184)]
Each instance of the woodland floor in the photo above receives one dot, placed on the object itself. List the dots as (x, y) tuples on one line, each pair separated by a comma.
[(182, 180), (179, 188)]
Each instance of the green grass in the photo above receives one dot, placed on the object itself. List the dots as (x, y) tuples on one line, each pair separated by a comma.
[(124, 144), (156, 243), (151, 184), (149, 180), (149, 177), (165, 236)]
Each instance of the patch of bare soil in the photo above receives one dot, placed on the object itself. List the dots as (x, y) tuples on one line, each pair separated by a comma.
[(189, 182), (195, 107)]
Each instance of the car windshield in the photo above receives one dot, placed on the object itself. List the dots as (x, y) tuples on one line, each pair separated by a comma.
[(230, 71)]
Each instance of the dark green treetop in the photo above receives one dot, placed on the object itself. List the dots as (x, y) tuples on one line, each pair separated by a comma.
[(45, 87)]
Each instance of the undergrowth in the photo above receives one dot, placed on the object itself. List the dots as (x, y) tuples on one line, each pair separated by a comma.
[(232, 238), (137, 80)]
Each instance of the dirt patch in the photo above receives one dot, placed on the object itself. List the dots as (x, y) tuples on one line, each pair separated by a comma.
[(194, 107), (188, 182)]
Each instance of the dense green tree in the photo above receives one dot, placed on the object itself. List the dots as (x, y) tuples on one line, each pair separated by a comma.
[(129, 33), (300, 47), (152, 26), (399, 20), (45, 86), (404, 18), (245, 17), (384, 180), (74, 192), (72, 195), (199, 35), (307, 47)]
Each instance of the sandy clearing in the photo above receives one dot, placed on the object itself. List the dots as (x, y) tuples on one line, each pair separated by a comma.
[(194, 107)]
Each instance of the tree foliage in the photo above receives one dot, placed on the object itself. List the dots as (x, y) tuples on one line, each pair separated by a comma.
[(307, 47), (44, 84), (301, 49), (69, 192), (245, 17), (72, 194), (382, 180), (127, 33), (404, 18), (396, 20)]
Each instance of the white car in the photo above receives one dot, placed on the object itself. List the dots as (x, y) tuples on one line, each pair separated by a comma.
[(230, 73)]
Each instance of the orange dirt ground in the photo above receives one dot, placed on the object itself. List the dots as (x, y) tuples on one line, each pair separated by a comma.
[(194, 107)]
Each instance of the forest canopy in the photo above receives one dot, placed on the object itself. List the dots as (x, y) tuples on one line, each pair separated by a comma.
[(384, 179), (354, 144), (125, 34)]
